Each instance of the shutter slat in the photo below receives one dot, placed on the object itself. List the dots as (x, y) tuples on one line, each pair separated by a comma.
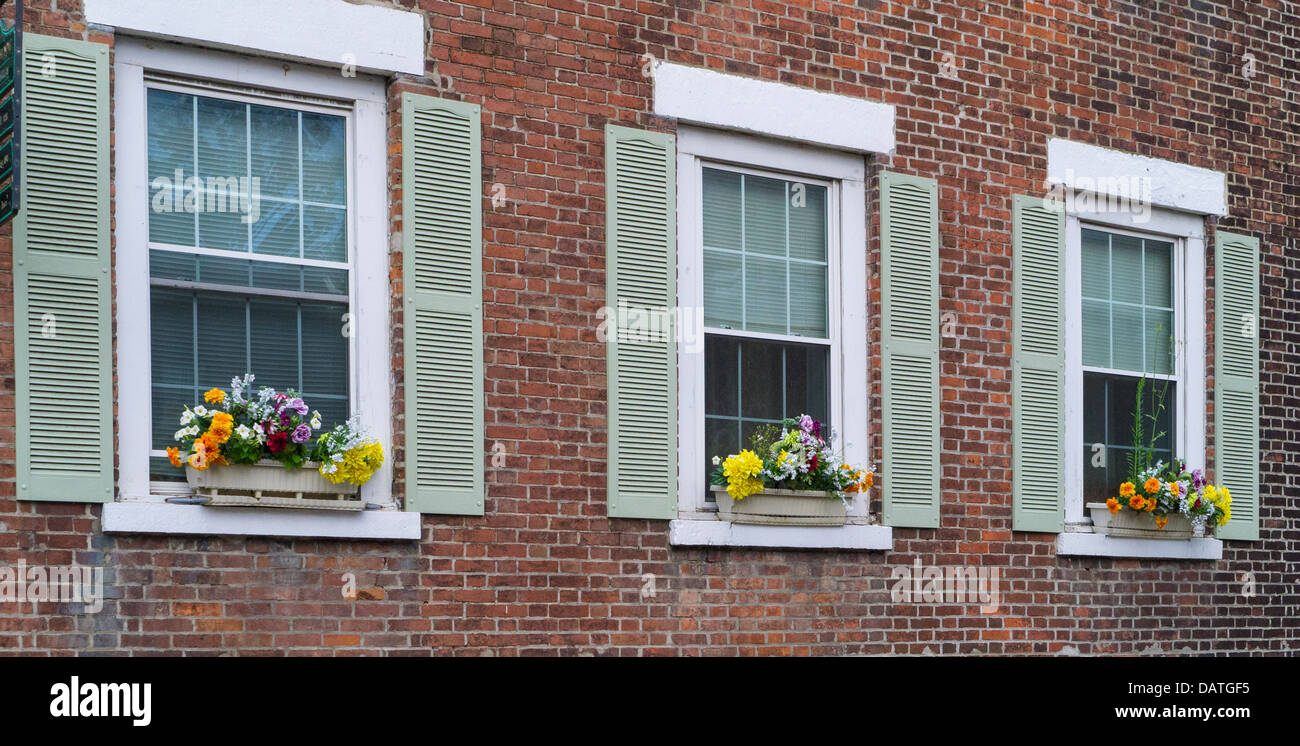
[(61, 275), (443, 313), (641, 267), (909, 247), (1038, 367), (1236, 380)]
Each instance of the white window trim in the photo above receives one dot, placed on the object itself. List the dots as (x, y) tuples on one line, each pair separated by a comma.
[(1188, 234), (325, 32), (368, 200), (849, 360)]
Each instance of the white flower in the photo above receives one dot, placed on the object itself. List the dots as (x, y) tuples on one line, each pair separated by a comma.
[(201, 411), (179, 434), (244, 432), (717, 460), (315, 423), (187, 417)]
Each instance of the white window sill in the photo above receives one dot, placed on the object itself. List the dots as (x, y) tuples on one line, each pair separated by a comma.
[(165, 518), (685, 533), (1100, 545)]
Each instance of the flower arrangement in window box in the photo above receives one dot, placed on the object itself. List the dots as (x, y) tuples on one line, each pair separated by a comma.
[(790, 477), (1160, 501), (257, 449)]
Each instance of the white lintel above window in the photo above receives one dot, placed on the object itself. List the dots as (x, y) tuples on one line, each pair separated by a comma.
[(1153, 181), (764, 107), (329, 32)]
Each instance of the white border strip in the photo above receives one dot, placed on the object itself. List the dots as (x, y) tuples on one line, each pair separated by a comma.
[(693, 94), (331, 32), (1100, 545), (152, 518), (725, 534), (1090, 168)]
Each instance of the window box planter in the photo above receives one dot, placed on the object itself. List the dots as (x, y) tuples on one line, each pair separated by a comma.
[(269, 484), (1134, 525), (773, 507)]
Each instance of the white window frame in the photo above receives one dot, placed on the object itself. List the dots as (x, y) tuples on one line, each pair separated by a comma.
[(844, 174), (1187, 233), (364, 99)]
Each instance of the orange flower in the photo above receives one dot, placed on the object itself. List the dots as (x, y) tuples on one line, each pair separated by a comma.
[(1173, 489), (174, 456), (868, 480), (1151, 504), (1152, 486), (199, 459), (1127, 490), (1113, 505), (210, 446), (1161, 521), (220, 427), (1136, 502), (214, 396)]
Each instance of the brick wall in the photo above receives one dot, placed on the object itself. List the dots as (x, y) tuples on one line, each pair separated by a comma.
[(544, 572)]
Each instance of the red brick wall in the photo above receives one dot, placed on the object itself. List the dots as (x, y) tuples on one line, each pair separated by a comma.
[(544, 572)]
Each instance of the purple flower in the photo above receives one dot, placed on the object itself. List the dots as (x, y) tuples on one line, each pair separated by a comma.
[(806, 423), (284, 418), (1198, 480), (301, 434), (297, 405)]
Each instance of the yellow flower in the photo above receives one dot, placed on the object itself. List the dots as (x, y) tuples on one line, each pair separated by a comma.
[(1152, 486), (214, 396), (174, 456), (358, 465), (742, 472), (221, 425), (1127, 490), (1161, 520), (1113, 504), (1173, 489)]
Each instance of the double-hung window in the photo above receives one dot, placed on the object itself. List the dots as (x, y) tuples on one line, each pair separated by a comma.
[(1135, 312), (249, 251), (1128, 314), (772, 284), (768, 339), (251, 237)]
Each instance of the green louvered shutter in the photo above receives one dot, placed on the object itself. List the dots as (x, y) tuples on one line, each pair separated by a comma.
[(443, 313), (909, 246), (641, 273), (1038, 366), (62, 296), (1236, 380)]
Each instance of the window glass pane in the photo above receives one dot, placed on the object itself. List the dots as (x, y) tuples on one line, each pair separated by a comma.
[(1157, 274), (1125, 268), (765, 254), (275, 231), (273, 331), (324, 154), (765, 295), (808, 222), (1127, 337), (324, 234), (765, 212), (761, 374), (1096, 264), (808, 299), (722, 396), (324, 349), (722, 297), (1159, 341), (1108, 403), (722, 210), (171, 152), (275, 151), (1096, 333)]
